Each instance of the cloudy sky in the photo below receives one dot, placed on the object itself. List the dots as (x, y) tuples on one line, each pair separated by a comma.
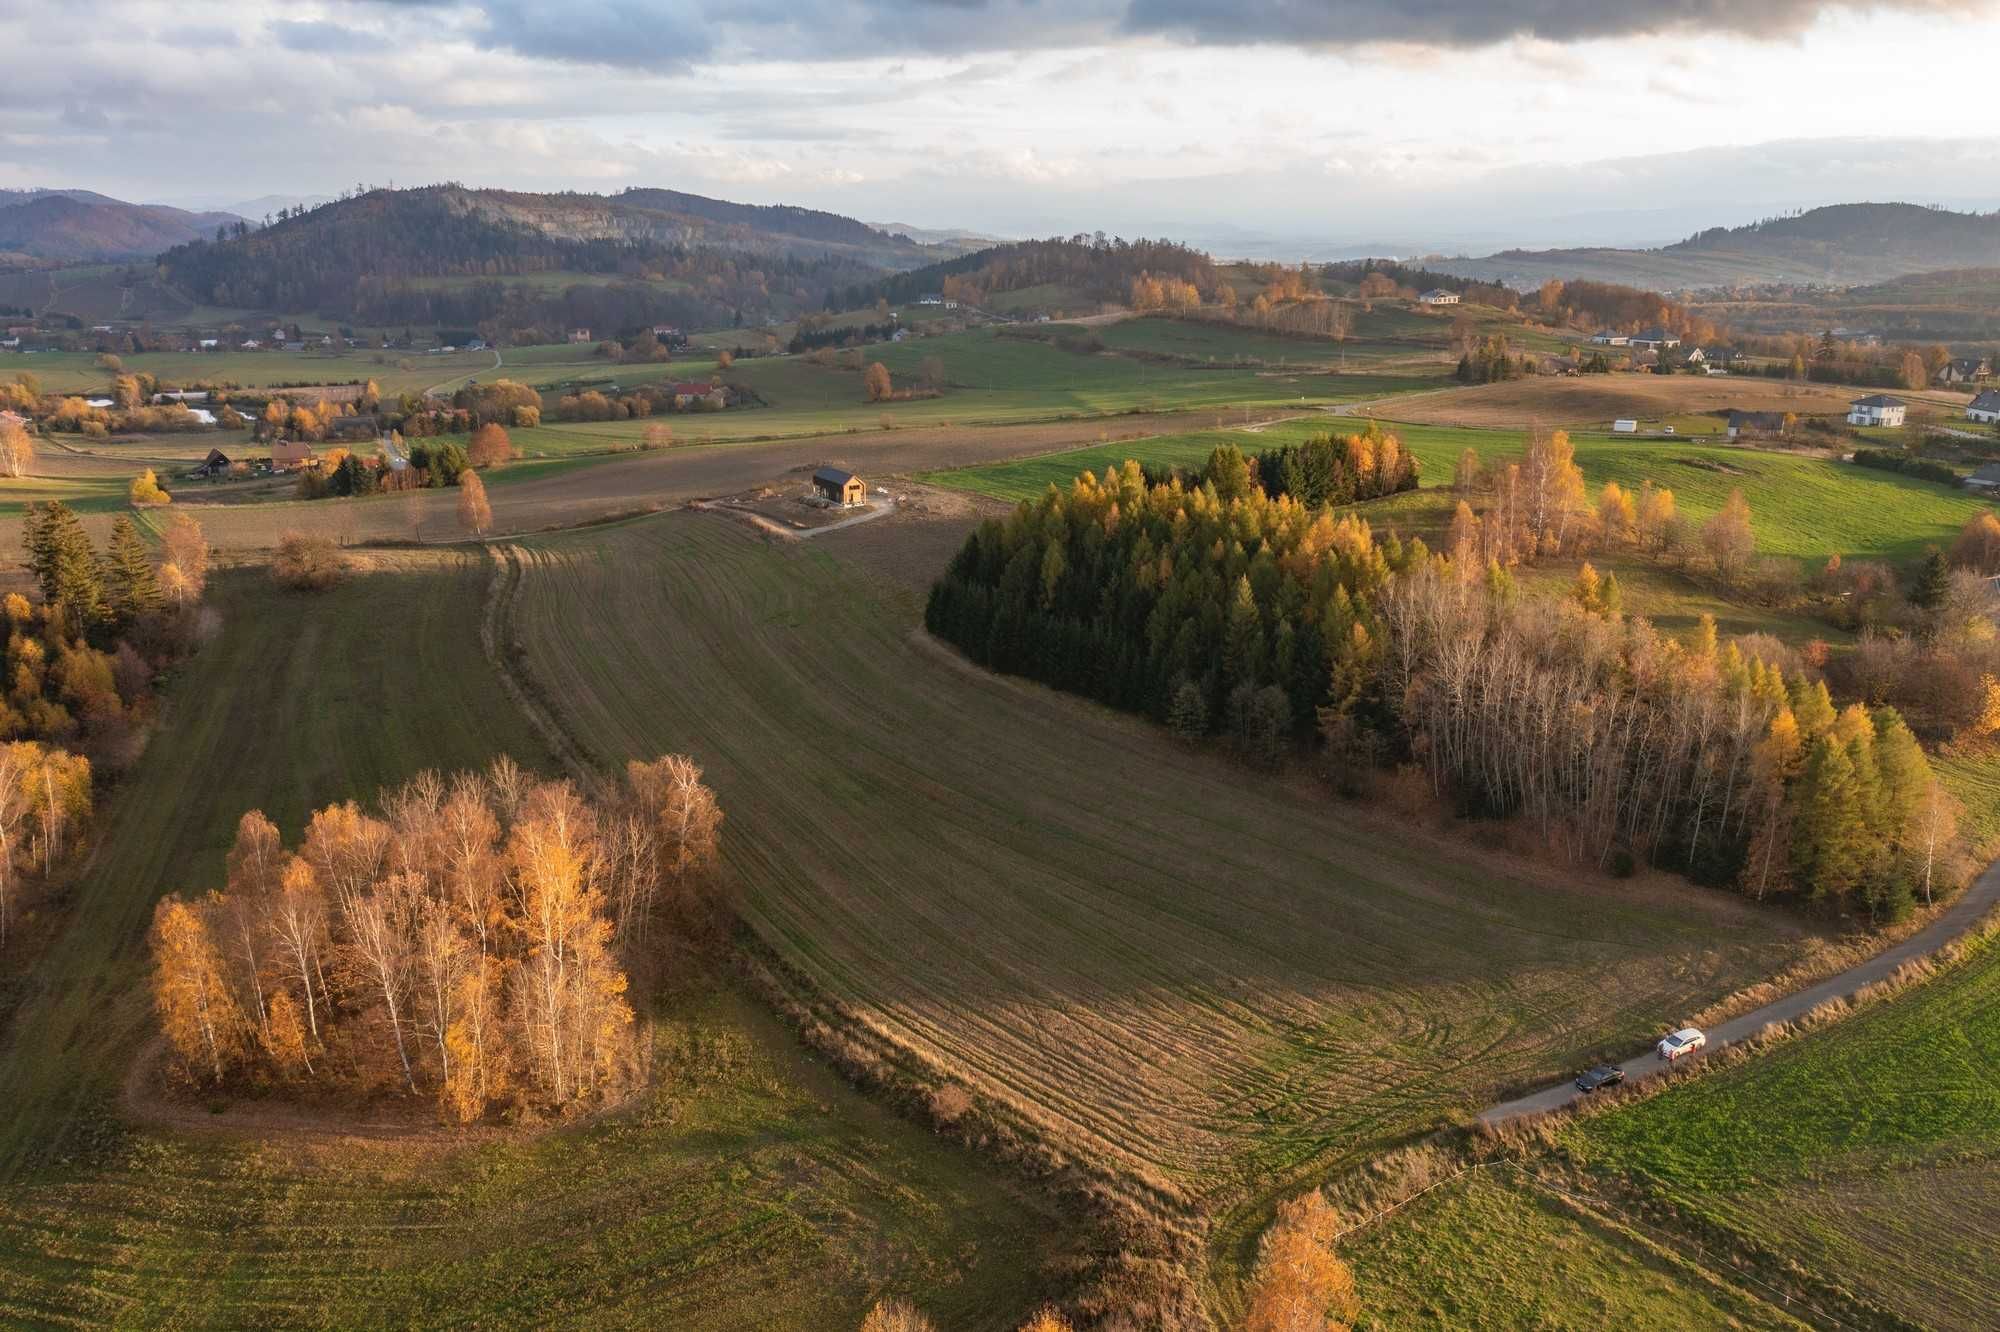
[(1262, 125)]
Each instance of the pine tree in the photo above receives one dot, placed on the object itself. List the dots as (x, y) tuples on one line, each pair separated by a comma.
[(131, 587)]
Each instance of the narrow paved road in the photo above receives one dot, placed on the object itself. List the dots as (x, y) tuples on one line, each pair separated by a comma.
[(1956, 920)]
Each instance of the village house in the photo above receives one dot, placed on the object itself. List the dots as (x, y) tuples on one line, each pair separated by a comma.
[(1610, 340), (13, 419), (1439, 296), (579, 335), (215, 464), (289, 456), (1965, 370), (209, 344), (838, 487), (1655, 339), (1878, 409), (1985, 408)]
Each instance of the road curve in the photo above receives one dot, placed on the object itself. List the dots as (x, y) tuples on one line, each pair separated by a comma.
[(1974, 903)]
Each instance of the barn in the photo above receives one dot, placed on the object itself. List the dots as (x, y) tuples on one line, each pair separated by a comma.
[(842, 488)]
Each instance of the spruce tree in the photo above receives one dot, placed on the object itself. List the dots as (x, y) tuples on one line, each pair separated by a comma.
[(66, 565), (130, 585), (1933, 582)]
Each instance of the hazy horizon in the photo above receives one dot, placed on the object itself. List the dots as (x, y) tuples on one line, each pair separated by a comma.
[(1264, 129)]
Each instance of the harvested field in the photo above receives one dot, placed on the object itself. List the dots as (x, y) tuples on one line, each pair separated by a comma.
[(1598, 400), (1208, 982), (747, 1189)]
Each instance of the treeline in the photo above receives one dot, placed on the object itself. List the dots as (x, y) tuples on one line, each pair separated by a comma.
[(1619, 744), (469, 941), (1883, 460), (78, 676), (815, 333), (1221, 609), (1101, 269), (1243, 614), (1415, 278)]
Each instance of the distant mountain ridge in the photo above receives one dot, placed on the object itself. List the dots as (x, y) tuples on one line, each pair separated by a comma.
[(82, 226), (1837, 245), (452, 254)]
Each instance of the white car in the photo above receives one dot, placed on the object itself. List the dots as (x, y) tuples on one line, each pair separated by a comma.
[(1685, 1041)]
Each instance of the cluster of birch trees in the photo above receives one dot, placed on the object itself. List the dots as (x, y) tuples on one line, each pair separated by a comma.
[(469, 940), (1619, 743)]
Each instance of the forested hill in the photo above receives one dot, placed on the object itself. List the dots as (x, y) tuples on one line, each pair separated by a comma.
[(390, 256), (1914, 238), (1843, 244), (78, 226), (785, 220), (1091, 266)]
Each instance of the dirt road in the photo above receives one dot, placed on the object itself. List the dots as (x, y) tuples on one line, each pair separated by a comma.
[(1976, 901)]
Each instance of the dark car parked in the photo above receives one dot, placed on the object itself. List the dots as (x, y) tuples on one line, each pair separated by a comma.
[(1604, 1075)]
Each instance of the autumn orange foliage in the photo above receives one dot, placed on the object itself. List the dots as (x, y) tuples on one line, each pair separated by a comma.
[(469, 940)]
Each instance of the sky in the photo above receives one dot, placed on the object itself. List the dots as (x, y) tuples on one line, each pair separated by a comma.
[(1278, 127)]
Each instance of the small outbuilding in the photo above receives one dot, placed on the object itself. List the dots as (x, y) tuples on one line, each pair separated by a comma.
[(215, 464), (1984, 478), (1625, 427), (838, 487)]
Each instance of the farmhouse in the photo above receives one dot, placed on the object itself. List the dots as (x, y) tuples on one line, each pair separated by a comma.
[(1965, 370), (1610, 340), (215, 464), (1985, 407), (1653, 339), (579, 335), (930, 298), (210, 344), (687, 395), (1878, 409), (842, 488), (290, 456), (1439, 296), (1754, 423)]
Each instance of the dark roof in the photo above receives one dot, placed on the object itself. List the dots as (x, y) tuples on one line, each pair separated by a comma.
[(1987, 401), (1989, 474), (832, 476), (1756, 420), (1878, 400), (216, 456)]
